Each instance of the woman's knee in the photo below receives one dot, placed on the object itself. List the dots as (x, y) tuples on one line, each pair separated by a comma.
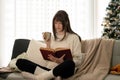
[(69, 62), (65, 69), (26, 65), (19, 62)]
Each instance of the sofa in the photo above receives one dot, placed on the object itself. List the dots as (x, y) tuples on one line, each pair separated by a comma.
[(21, 45)]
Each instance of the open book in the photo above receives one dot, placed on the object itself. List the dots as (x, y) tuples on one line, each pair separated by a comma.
[(58, 52)]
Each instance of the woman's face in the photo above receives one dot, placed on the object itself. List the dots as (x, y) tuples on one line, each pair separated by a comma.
[(58, 26)]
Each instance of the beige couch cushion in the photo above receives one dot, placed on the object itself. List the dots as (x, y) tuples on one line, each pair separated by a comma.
[(33, 52)]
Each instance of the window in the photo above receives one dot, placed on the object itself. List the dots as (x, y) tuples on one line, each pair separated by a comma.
[(35, 16), (29, 18)]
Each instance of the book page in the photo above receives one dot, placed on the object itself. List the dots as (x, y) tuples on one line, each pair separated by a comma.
[(60, 49), (54, 50), (49, 49)]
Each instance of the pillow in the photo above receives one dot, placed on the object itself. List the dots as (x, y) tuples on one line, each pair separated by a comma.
[(34, 54), (115, 69), (12, 63)]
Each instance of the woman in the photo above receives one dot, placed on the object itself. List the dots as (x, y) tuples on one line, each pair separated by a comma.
[(64, 37)]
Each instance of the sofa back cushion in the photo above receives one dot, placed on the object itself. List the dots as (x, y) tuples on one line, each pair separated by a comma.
[(116, 53)]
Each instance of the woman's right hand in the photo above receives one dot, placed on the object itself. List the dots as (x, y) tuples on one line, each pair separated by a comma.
[(47, 38), (47, 43)]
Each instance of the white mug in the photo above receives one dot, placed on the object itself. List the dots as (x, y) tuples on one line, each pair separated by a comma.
[(46, 36)]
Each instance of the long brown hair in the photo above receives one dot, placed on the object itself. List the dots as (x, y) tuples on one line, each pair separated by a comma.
[(62, 16)]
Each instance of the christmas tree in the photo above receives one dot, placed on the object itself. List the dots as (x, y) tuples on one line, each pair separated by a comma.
[(111, 22)]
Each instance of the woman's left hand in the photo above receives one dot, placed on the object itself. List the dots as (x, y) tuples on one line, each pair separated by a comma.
[(57, 60)]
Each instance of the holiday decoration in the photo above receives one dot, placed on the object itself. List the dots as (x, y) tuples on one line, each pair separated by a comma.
[(111, 22)]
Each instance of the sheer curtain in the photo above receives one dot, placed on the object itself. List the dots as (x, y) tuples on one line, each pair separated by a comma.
[(99, 12), (35, 16), (29, 18)]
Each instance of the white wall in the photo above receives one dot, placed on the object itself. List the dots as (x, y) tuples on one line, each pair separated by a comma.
[(1, 33), (0, 29), (6, 23)]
